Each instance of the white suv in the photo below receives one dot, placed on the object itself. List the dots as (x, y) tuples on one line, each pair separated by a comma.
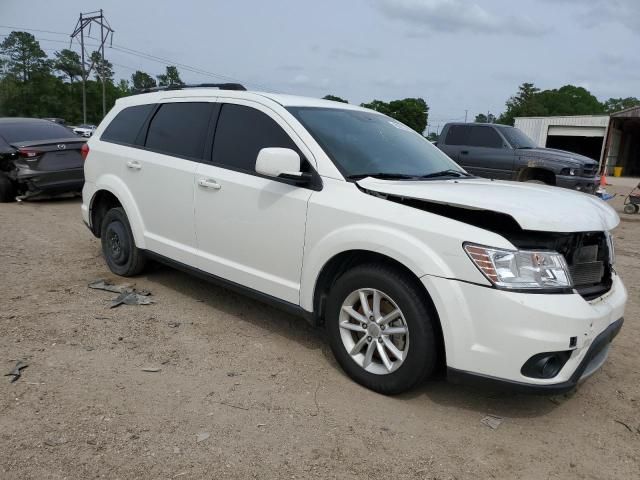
[(357, 223)]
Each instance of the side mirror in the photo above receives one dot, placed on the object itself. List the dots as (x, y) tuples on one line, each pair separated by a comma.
[(281, 163)]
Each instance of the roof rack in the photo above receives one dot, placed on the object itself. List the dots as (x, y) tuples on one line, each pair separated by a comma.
[(220, 86)]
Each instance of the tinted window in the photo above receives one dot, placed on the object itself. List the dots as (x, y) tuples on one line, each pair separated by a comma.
[(27, 131), (180, 129), (127, 124), (457, 135), (242, 132), (485, 137)]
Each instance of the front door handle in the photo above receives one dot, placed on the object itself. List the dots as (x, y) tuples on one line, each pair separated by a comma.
[(133, 165), (209, 183)]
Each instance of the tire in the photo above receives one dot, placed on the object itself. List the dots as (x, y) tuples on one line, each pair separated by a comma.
[(418, 346), (630, 208), (7, 190), (539, 182), (118, 246)]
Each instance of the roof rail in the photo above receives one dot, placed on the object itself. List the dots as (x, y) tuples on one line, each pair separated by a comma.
[(221, 86)]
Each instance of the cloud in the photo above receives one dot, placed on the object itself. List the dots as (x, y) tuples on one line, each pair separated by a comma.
[(453, 16), (354, 53), (598, 12)]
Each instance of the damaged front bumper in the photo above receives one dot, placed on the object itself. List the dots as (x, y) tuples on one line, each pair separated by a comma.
[(581, 184), (491, 334)]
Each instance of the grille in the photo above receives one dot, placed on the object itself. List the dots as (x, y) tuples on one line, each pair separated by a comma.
[(589, 170), (587, 273)]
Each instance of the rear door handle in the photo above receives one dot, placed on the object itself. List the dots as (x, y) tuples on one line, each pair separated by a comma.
[(209, 183), (465, 152), (133, 165)]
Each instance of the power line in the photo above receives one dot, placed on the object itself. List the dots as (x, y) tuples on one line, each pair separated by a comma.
[(34, 30)]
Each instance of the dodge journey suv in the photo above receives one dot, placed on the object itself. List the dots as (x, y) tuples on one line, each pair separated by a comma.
[(357, 223)]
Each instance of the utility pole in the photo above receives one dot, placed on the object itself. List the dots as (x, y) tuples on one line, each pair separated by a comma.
[(84, 22), (465, 115)]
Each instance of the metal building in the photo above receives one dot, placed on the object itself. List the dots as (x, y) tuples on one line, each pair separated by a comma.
[(622, 148), (583, 134)]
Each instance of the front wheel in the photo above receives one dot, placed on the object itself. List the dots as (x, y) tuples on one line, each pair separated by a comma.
[(118, 246), (631, 208), (380, 328)]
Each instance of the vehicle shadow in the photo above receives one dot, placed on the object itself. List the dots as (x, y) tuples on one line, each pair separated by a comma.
[(272, 321)]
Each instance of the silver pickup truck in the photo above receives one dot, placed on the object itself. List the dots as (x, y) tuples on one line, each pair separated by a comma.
[(506, 153)]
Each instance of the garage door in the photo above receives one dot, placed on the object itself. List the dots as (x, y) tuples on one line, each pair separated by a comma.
[(566, 131)]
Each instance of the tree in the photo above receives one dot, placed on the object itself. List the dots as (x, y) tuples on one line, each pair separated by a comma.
[(23, 57), (522, 104), (616, 104), (102, 67), (170, 77), (68, 62), (413, 112), (569, 100), (142, 80), (482, 118), (335, 99), (123, 89)]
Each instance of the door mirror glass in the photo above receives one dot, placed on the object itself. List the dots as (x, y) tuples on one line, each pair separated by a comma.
[(279, 162)]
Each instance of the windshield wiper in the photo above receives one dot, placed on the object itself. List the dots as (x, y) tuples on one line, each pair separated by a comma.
[(447, 173), (382, 175)]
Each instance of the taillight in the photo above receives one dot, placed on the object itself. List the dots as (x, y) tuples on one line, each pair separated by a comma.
[(84, 151), (28, 153)]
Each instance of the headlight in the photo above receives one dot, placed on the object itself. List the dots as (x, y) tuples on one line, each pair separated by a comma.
[(521, 269), (569, 171)]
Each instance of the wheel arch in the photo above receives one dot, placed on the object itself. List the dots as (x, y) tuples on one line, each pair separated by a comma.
[(343, 261), (545, 175), (111, 192)]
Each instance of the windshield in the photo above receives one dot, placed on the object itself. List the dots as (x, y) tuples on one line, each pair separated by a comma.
[(517, 138), (27, 131), (370, 144)]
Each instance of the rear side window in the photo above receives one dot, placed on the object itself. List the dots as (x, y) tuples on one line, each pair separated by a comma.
[(125, 127), (241, 133), (457, 135), (180, 129), (36, 130), (485, 137)]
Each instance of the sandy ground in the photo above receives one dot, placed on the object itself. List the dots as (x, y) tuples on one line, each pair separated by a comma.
[(261, 384)]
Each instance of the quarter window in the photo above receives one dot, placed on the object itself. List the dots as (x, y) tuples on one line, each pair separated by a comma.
[(126, 125), (241, 133), (180, 129)]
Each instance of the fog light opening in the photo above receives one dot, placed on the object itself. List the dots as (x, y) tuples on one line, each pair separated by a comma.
[(545, 365)]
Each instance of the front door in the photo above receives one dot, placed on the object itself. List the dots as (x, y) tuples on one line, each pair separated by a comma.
[(487, 154), (250, 228)]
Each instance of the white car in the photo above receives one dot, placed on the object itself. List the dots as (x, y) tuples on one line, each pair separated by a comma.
[(84, 130), (360, 225)]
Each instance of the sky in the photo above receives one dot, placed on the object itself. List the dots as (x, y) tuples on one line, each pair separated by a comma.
[(456, 54)]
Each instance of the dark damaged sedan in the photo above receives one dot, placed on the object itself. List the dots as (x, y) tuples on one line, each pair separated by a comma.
[(38, 157)]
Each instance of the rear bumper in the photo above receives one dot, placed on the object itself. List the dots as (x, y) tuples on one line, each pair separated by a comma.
[(582, 184), (592, 361), (50, 181)]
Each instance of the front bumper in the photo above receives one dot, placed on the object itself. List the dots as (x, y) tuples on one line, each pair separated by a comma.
[(489, 334), (582, 184)]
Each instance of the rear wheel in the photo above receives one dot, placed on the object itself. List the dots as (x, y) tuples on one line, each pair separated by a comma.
[(380, 328), (118, 246), (7, 190)]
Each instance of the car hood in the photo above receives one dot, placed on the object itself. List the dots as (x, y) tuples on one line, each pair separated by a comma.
[(534, 207), (552, 153)]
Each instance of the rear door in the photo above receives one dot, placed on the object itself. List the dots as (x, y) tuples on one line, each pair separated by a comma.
[(487, 154), (160, 175), (251, 228)]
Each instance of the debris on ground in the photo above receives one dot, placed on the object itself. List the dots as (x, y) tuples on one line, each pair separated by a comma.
[(151, 369), (127, 294), (16, 373), (174, 324), (201, 437), (492, 421)]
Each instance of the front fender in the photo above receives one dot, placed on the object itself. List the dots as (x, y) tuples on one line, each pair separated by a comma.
[(399, 245), (113, 184)]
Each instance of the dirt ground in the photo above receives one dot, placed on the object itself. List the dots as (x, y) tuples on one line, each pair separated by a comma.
[(260, 383)]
